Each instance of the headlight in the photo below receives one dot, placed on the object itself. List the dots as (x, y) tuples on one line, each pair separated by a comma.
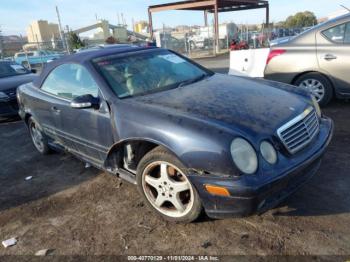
[(316, 106), (244, 156), (268, 152), (3, 95)]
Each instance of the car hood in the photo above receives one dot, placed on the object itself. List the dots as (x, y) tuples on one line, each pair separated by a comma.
[(236, 102), (15, 81)]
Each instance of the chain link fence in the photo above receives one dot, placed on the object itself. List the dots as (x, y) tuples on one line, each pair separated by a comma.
[(35, 55), (199, 42), (194, 42)]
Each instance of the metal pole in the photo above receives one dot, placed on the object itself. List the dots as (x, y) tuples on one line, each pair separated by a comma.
[(39, 49), (216, 26), (206, 17), (150, 22), (227, 41), (65, 39), (61, 31), (267, 21), (1, 45), (267, 16)]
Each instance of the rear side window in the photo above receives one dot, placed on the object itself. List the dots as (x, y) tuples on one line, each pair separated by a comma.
[(69, 81), (338, 34)]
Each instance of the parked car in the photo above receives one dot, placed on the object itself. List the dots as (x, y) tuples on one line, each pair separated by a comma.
[(188, 138), (36, 58), (317, 59), (281, 40), (12, 75)]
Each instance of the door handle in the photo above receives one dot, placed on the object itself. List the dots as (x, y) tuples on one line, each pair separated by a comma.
[(55, 110), (329, 57)]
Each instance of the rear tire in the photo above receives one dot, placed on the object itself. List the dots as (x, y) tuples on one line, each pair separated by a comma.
[(163, 183), (318, 85), (39, 140)]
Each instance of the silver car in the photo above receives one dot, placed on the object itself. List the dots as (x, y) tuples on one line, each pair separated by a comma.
[(318, 59)]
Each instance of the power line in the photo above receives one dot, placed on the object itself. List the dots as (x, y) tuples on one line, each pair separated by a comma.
[(345, 7), (63, 39)]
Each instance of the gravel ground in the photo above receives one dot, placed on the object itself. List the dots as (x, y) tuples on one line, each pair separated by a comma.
[(76, 211)]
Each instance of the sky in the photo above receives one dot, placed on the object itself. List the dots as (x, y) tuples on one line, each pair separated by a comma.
[(16, 15)]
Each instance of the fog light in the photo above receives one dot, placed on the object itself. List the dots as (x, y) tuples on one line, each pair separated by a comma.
[(217, 191)]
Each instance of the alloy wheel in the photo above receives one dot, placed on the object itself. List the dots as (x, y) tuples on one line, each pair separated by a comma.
[(316, 88), (167, 189)]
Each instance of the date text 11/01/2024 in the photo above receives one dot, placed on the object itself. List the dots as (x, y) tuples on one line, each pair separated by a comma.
[(173, 258)]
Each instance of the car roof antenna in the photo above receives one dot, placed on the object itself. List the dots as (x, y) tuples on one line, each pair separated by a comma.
[(345, 8)]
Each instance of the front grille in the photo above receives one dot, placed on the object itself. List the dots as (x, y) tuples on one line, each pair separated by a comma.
[(300, 131)]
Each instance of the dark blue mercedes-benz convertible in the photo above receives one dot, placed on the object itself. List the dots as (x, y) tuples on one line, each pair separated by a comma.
[(188, 138)]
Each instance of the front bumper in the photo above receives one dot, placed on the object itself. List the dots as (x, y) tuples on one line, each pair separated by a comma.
[(8, 108), (251, 199)]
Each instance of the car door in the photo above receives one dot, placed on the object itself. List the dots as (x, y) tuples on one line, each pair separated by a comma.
[(87, 132), (333, 51), (44, 105)]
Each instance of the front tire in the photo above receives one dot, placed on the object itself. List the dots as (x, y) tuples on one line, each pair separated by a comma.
[(39, 140), (319, 86), (163, 183)]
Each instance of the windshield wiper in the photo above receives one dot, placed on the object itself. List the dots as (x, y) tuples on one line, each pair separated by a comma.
[(193, 80)]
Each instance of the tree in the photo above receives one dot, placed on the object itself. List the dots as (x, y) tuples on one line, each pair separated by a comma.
[(74, 41), (301, 19)]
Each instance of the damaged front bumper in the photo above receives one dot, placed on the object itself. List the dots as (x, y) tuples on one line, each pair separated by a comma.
[(246, 199)]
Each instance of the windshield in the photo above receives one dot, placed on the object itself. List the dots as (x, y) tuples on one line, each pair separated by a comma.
[(148, 72), (11, 69)]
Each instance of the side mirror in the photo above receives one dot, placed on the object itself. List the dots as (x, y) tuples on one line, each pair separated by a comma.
[(85, 101)]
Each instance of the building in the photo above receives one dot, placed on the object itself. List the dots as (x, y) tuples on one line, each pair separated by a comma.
[(42, 31), (141, 27)]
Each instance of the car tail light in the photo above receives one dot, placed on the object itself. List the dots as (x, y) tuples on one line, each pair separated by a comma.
[(274, 53)]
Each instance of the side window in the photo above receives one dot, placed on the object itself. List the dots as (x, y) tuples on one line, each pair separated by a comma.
[(347, 34), (336, 33), (69, 81)]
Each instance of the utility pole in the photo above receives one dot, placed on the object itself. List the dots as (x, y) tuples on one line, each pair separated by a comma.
[(1, 45), (123, 20), (63, 39), (118, 19)]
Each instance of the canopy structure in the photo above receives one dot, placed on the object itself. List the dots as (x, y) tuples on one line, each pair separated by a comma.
[(210, 6)]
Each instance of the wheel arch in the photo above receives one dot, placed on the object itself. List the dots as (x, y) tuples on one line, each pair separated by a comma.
[(27, 116), (317, 72), (143, 145)]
